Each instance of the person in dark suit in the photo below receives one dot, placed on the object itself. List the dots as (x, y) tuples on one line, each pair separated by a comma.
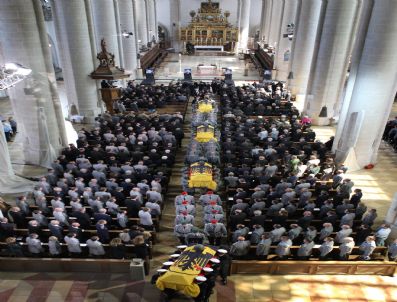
[(18, 217), (6, 229), (258, 219), (102, 231), (56, 229), (82, 218), (236, 218), (102, 215), (133, 207)]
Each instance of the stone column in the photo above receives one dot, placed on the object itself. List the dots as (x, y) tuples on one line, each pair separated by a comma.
[(24, 42), (156, 24), (9, 182), (126, 17), (304, 49), (268, 19), (141, 22), (75, 38), (105, 26), (244, 23), (330, 68), (275, 24), (151, 17), (364, 17), (263, 20), (285, 44), (175, 18), (373, 92)]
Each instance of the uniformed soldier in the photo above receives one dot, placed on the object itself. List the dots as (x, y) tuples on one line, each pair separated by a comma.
[(283, 248), (224, 265), (256, 234), (184, 217), (241, 230), (213, 206), (215, 231), (305, 250), (206, 198), (326, 248), (367, 248), (186, 207), (213, 216), (294, 232), (263, 247), (326, 231), (184, 196), (240, 249), (346, 248), (195, 237), (181, 230)]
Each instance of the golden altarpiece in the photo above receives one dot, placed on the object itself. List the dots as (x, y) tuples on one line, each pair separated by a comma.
[(210, 27)]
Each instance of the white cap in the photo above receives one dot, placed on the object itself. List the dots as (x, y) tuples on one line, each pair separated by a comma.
[(175, 255), (168, 263), (201, 278), (161, 270), (215, 260), (181, 246), (208, 269), (222, 251)]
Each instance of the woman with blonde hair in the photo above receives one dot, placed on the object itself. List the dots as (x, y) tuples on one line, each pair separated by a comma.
[(117, 249)]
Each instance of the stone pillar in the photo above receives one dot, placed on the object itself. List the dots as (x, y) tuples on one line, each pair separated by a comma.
[(244, 24), (262, 26), (268, 19), (330, 68), (304, 49), (156, 23), (141, 21), (175, 17), (75, 37), (151, 17), (373, 92), (285, 44), (275, 24), (25, 41), (105, 26), (9, 182), (126, 17), (359, 39)]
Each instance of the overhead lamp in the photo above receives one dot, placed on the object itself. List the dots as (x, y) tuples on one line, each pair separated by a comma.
[(126, 34), (11, 74)]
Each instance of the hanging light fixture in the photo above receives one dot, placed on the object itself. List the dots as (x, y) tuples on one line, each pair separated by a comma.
[(11, 74)]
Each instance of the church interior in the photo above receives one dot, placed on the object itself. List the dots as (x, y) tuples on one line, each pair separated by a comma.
[(198, 150)]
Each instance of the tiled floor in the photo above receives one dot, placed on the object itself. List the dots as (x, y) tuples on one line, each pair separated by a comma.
[(243, 288)]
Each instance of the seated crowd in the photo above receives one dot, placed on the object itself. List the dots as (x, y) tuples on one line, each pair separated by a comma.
[(284, 189), (106, 194), (149, 98)]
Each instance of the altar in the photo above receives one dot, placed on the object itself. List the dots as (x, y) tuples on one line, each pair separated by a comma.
[(208, 47), (209, 29)]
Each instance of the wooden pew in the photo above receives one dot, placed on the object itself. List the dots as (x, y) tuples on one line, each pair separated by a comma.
[(383, 268), (65, 265)]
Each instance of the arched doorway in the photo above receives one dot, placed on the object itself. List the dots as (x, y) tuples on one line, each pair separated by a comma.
[(163, 34)]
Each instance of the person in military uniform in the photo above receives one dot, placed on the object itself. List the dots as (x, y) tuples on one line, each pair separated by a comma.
[(206, 198), (184, 196), (184, 217), (181, 231), (263, 247), (186, 207), (240, 249), (195, 237), (214, 232)]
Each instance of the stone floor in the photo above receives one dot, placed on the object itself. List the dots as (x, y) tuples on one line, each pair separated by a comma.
[(378, 186)]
